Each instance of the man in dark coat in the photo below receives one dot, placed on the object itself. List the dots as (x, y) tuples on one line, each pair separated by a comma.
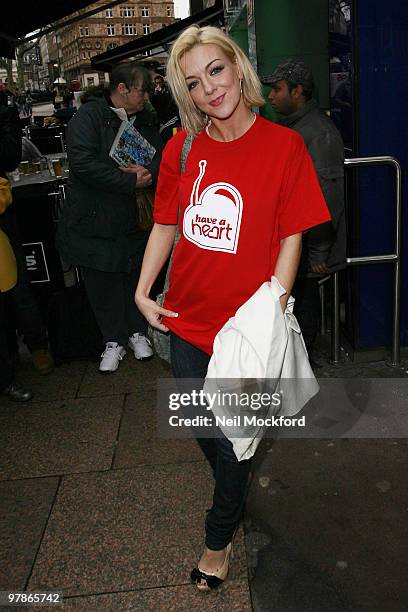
[(166, 108), (324, 246), (98, 230)]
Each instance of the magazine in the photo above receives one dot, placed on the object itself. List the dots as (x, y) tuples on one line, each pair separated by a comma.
[(130, 147)]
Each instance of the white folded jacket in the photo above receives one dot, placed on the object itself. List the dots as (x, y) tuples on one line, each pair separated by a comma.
[(259, 350)]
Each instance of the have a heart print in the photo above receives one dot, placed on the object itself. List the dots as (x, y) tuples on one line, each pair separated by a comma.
[(213, 218)]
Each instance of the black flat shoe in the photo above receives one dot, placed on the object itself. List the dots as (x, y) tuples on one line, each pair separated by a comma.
[(206, 582), (18, 393)]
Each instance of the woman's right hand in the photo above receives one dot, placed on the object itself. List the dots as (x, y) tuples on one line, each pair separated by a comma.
[(152, 312)]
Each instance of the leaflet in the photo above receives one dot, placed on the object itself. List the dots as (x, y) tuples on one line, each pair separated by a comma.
[(130, 147)]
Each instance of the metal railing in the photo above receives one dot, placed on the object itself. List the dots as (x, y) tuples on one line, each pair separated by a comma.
[(394, 258), (59, 201)]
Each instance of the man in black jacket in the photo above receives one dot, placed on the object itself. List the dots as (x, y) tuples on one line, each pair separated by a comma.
[(99, 229), (324, 246), (165, 107)]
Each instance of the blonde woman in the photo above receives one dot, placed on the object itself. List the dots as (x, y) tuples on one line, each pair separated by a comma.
[(248, 192)]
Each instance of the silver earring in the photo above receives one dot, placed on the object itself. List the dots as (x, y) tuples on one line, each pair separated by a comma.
[(240, 86)]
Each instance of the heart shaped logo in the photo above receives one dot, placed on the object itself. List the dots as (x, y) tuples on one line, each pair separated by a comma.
[(213, 218)]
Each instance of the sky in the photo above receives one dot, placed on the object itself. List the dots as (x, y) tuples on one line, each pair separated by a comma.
[(181, 8)]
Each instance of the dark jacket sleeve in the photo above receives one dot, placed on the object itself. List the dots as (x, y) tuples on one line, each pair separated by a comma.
[(319, 240), (154, 167), (146, 123), (83, 143), (327, 153), (10, 139)]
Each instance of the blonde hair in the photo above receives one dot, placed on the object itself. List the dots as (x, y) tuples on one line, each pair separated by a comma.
[(192, 117)]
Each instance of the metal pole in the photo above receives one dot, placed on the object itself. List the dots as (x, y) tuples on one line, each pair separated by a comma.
[(372, 259), (396, 348), (391, 258), (335, 331), (323, 325)]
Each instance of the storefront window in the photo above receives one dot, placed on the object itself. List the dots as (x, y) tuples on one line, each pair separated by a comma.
[(341, 91)]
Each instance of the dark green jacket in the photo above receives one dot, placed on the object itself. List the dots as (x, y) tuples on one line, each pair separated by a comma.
[(98, 227)]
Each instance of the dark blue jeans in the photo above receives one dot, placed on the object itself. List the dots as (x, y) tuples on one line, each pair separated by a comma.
[(231, 475)]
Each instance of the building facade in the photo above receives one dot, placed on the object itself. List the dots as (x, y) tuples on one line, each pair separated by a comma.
[(3, 74), (79, 42)]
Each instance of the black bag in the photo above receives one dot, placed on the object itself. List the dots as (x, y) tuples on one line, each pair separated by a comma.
[(72, 329), (144, 206)]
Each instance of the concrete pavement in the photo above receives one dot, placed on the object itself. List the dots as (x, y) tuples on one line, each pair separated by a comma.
[(94, 503), (327, 519)]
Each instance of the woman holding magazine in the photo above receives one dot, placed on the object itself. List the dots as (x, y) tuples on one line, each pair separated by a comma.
[(248, 192), (100, 229)]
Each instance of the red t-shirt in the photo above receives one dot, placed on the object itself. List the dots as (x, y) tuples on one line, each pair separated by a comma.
[(237, 200)]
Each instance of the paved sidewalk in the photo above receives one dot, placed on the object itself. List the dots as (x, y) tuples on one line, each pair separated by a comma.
[(94, 504), (327, 519)]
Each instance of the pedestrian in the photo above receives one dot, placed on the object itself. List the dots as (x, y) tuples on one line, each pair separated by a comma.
[(10, 155), (242, 213), (21, 101), (166, 108), (324, 246), (99, 229), (28, 108), (19, 302), (8, 279), (66, 112), (342, 102)]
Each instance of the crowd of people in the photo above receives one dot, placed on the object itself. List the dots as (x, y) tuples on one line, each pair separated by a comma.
[(249, 200)]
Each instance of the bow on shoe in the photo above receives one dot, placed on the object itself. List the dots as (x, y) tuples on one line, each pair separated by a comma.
[(198, 576)]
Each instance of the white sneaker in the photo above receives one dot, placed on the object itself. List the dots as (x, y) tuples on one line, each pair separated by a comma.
[(141, 346), (111, 357)]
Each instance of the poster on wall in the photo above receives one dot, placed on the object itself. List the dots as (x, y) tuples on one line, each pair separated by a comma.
[(36, 262)]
